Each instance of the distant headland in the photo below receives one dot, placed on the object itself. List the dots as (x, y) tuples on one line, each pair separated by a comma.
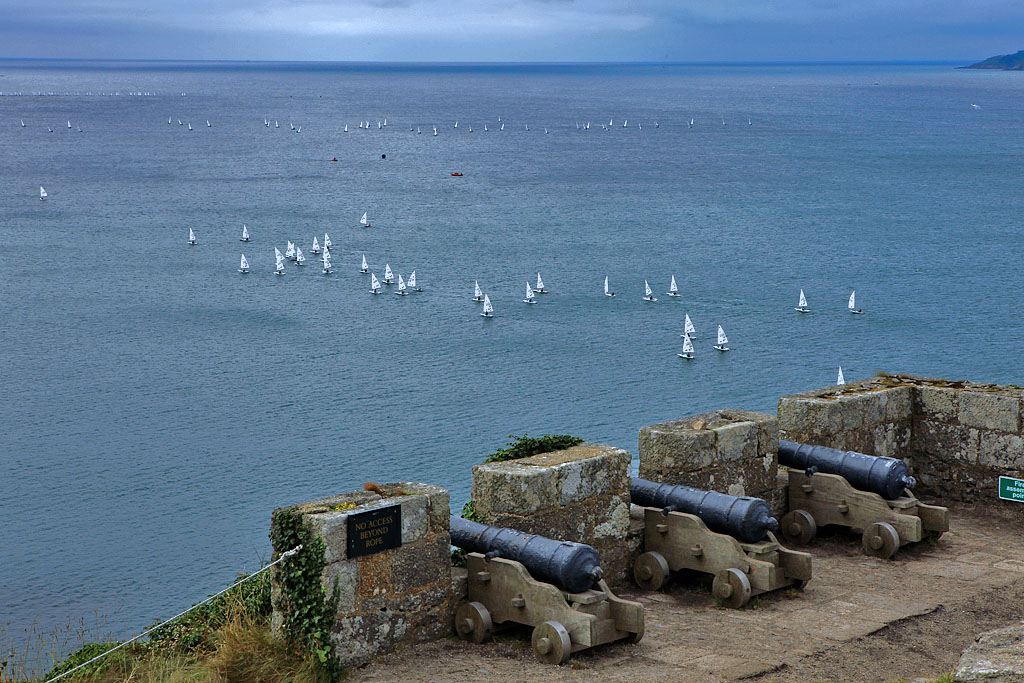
[(1014, 62)]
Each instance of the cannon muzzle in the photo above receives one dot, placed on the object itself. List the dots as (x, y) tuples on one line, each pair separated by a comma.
[(888, 477), (748, 519), (576, 567)]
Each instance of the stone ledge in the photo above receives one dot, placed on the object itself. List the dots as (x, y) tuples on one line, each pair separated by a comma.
[(996, 657)]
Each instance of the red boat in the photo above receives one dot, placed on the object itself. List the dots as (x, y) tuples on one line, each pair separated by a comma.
[(458, 175)]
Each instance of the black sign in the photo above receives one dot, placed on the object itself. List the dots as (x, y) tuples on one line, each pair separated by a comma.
[(375, 530)]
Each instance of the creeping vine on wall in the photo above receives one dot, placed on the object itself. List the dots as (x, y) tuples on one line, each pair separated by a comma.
[(308, 608)]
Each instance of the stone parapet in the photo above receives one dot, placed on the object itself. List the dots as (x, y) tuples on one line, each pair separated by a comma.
[(578, 494), (957, 437), (730, 451), (394, 596)]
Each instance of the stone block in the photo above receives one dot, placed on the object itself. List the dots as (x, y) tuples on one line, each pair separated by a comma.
[(938, 404), (944, 442), (989, 410), (581, 495), (676, 446), (996, 657), (1004, 452), (394, 596)]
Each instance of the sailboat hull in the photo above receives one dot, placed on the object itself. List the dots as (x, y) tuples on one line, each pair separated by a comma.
[(609, 293), (649, 298), (857, 312), (243, 271), (403, 293), (687, 356), (802, 310), (417, 289), (529, 301), (478, 299), (487, 315), (721, 348), (672, 293)]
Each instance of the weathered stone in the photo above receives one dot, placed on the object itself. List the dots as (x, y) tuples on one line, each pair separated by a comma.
[(996, 657), (989, 411), (675, 446), (1002, 451), (940, 404), (947, 442), (736, 441), (394, 596)]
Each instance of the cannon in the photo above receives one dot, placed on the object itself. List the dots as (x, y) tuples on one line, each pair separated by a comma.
[(888, 477), (675, 540), (748, 519), (557, 587), (858, 491)]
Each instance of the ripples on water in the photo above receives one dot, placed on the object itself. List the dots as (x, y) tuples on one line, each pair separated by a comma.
[(159, 405)]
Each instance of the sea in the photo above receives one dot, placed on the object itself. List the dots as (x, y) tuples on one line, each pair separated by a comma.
[(157, 405)]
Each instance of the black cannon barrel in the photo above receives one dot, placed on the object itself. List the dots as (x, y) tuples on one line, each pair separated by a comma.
[(576, 567), (888, 477), (748, 519)]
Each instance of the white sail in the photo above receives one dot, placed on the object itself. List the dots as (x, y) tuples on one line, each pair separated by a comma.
[(363, 221), (803, 300), (722, 339), (208, 123), (364, 267), (672, 289), (290, 251), (477, 293), (540, 283), (853, 300), (316, 245), (327, 241), (647, 289), (374, 282), (299, 258), (69, 124), (191, 236), (243, 266), (688, 327), (277, 255), (327, 263), (488, 309), (279, 266), (412, 280), (401, 283), (529, 292), (42, 193), (841, 379), (245, 233), (388, 275), (606, 284), (687, 345)]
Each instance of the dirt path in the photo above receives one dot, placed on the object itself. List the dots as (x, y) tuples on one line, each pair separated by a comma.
[(860, 620)]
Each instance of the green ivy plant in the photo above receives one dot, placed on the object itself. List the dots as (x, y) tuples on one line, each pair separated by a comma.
[(524, 446), (308, 608)]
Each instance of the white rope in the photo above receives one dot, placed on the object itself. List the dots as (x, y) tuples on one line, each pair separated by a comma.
[(284, 556)]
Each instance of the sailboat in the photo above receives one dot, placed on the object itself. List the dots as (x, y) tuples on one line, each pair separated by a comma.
[(316, 245), (191, 237), (456, 125), (841, 380), (688, 330), (722, 340), (435, 130), (485, 127), (279, 262), (300, 260), (327, 241), (364, 268), (488, 311), (168, 121), (208, 123), (802, 304), (401, 286), (389, 277), (539, 289), (687, 348), (412, 282), (374, 284), (190, 125), (243, 267), (290, 252), (346, 127), (672, 289), (180, 123), (364, 222), (327, 262), (245, 234), (42, 193), (852, 305), (529, 295), (607, 292), (478, 295), (648, 294), (502, 127), (69, 123)]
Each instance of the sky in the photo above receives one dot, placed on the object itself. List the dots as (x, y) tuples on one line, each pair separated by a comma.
[(513, 30)]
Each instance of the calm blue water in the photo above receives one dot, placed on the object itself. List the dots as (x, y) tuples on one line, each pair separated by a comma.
[(157, 405)]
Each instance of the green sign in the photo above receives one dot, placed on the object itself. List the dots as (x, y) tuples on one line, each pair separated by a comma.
[(1011, 489)]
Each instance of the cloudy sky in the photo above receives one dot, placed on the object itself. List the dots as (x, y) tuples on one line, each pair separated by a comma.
[(512, 30)]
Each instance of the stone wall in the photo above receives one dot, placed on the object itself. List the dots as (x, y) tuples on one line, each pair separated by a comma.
[(401, 595), (578, 494), (956, 437), (731, 451)]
